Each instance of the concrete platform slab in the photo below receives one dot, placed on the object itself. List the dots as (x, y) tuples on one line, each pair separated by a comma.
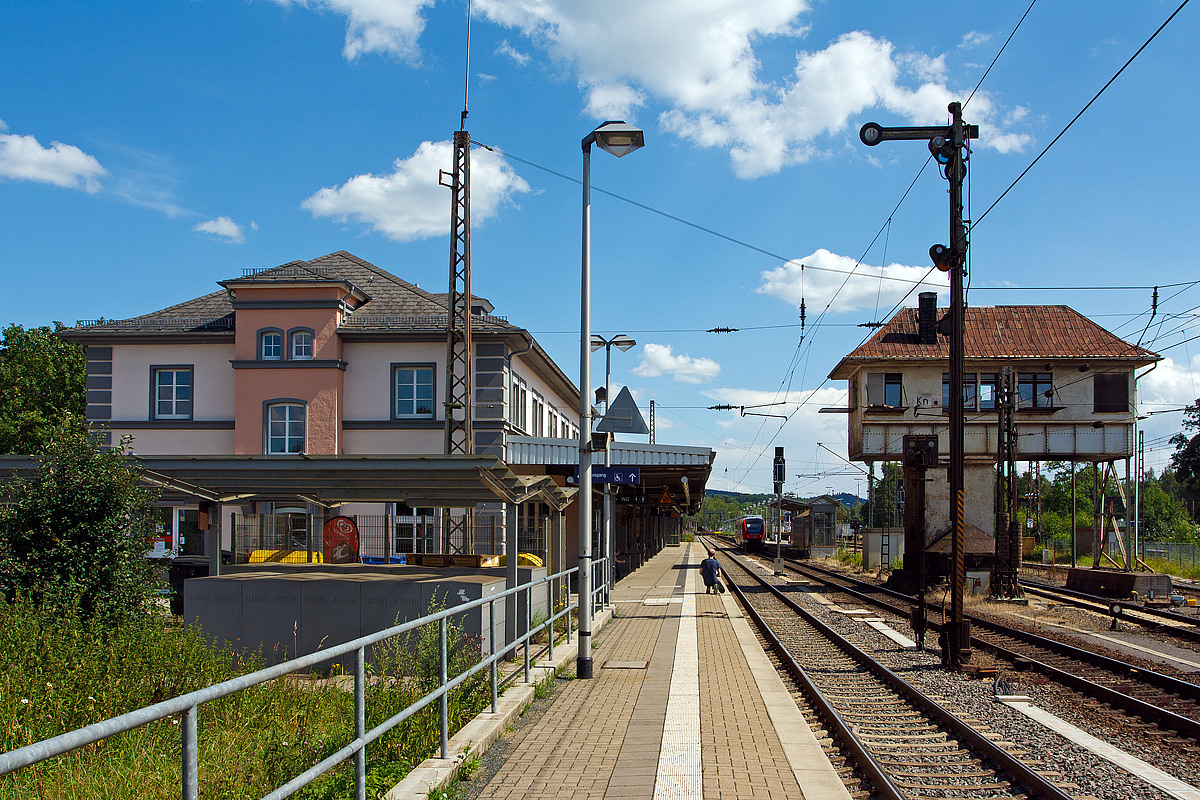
[(702, 714)]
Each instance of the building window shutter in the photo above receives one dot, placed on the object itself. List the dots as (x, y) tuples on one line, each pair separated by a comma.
[(1111, 393), (875, 388)]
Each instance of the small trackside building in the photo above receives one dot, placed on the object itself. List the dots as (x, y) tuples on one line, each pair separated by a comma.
[(1076, 396)]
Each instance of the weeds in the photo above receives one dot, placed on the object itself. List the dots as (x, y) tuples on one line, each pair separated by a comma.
[(59, 673)]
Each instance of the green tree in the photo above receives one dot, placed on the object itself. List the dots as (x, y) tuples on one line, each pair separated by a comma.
[(1185, 463), (1165, 518), (42, 377), (888, 487), (75, 531)]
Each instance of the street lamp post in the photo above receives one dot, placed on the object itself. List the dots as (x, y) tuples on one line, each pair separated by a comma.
[(607, 536), (619, 139)]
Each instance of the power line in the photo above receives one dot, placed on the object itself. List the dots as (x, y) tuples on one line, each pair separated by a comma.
[(1080, 114)]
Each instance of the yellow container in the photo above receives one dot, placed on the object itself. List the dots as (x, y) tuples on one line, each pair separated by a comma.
[(285, 557), (1191, 601)]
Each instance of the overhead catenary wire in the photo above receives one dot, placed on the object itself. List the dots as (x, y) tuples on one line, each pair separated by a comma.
[(1080, 114)]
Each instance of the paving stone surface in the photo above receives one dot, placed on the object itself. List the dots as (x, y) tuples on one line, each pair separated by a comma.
[(604, 739)]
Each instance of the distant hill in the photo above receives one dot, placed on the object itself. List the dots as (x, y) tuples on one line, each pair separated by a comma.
[(845, 498)]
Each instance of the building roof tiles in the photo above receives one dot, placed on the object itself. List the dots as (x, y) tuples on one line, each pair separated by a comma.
[(999, 332), (394, 304)]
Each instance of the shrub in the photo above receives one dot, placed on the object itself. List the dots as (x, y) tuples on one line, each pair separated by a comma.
[(74, 535)]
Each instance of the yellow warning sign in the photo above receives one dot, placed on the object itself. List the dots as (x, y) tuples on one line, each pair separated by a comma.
[(665, 500)]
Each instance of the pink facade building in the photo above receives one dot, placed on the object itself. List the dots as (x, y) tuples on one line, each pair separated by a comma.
[(332, 356)]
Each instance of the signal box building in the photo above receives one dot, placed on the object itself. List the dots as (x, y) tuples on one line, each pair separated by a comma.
[(1076, 397)]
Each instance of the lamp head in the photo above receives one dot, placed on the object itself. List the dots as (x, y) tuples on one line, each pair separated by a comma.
[(619, 137), (597, 342), (622, 342)]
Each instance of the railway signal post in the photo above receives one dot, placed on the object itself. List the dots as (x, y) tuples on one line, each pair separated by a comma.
[(949, 147), (778, 480)]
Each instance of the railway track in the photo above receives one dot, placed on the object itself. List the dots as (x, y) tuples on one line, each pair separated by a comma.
[(903, 742), (1170, 704), (1159, 620)]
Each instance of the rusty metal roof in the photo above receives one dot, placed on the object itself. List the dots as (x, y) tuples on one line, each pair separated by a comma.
[(996, 333)]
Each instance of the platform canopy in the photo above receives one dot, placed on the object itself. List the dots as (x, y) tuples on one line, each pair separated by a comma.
[(418, 480)]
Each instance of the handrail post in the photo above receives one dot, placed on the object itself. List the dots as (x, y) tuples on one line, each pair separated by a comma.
[(550, 612), (492, 651), (191, 778), (443, 670), (360, 723), (528, 626)]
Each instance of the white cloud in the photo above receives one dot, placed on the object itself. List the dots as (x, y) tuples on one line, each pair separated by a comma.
[(223, 228), (506, 49), (699, 59), (23, 159), (1169, 385), (376, 26), (974, 39), (659, 358), (409, 203), (744, 455), (796, 280)]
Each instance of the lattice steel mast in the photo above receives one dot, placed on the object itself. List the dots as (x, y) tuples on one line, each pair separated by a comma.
[(458, 405)]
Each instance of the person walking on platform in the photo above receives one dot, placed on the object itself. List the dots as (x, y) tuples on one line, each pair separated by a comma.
[(710, 572)]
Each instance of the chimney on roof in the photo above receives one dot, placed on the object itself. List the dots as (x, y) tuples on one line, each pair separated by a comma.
[(927, 317)]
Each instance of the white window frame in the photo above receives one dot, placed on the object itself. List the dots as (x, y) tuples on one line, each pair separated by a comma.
[(173, 398), (518, 403), (277, 345), (416, 370), (291, 438), (302, 346)]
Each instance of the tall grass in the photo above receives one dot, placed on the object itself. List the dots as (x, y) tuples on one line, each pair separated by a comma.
[(58, 673)]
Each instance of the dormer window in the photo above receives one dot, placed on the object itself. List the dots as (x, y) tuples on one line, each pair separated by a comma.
[(302, 345), (270, 345)]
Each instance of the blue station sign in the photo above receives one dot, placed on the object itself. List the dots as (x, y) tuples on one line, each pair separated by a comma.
[(602, 474)]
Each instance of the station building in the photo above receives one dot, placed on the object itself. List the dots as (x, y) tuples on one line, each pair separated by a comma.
[(338, 358)]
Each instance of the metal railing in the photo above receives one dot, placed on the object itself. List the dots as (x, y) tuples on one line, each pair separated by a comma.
[(187, 705)]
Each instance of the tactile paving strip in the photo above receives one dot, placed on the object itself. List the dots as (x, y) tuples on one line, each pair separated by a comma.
[(679, 776)]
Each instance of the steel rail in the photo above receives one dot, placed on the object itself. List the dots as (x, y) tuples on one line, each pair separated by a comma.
[(1147, 711), (1022, 773), (1185, 627), (1157, 679)]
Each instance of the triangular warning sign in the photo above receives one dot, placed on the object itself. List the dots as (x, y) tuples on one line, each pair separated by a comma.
[(623, 416), (665, 500)]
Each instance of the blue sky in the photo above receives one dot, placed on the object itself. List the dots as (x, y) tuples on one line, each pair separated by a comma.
[(148, 150)]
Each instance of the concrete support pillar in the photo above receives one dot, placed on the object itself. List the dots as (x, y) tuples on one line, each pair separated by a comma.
[(212, 540)]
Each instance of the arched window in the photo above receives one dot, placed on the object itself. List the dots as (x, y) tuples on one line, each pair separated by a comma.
[(270, 344), (285, 428), (302, 344)]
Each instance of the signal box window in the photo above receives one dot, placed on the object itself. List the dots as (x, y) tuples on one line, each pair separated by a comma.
[(885, 389), (970, 391), (1035, 390)]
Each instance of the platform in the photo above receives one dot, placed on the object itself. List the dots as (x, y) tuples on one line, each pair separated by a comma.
[(684, 704)]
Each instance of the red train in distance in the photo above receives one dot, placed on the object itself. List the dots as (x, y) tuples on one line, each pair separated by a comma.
[(750, 532)]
